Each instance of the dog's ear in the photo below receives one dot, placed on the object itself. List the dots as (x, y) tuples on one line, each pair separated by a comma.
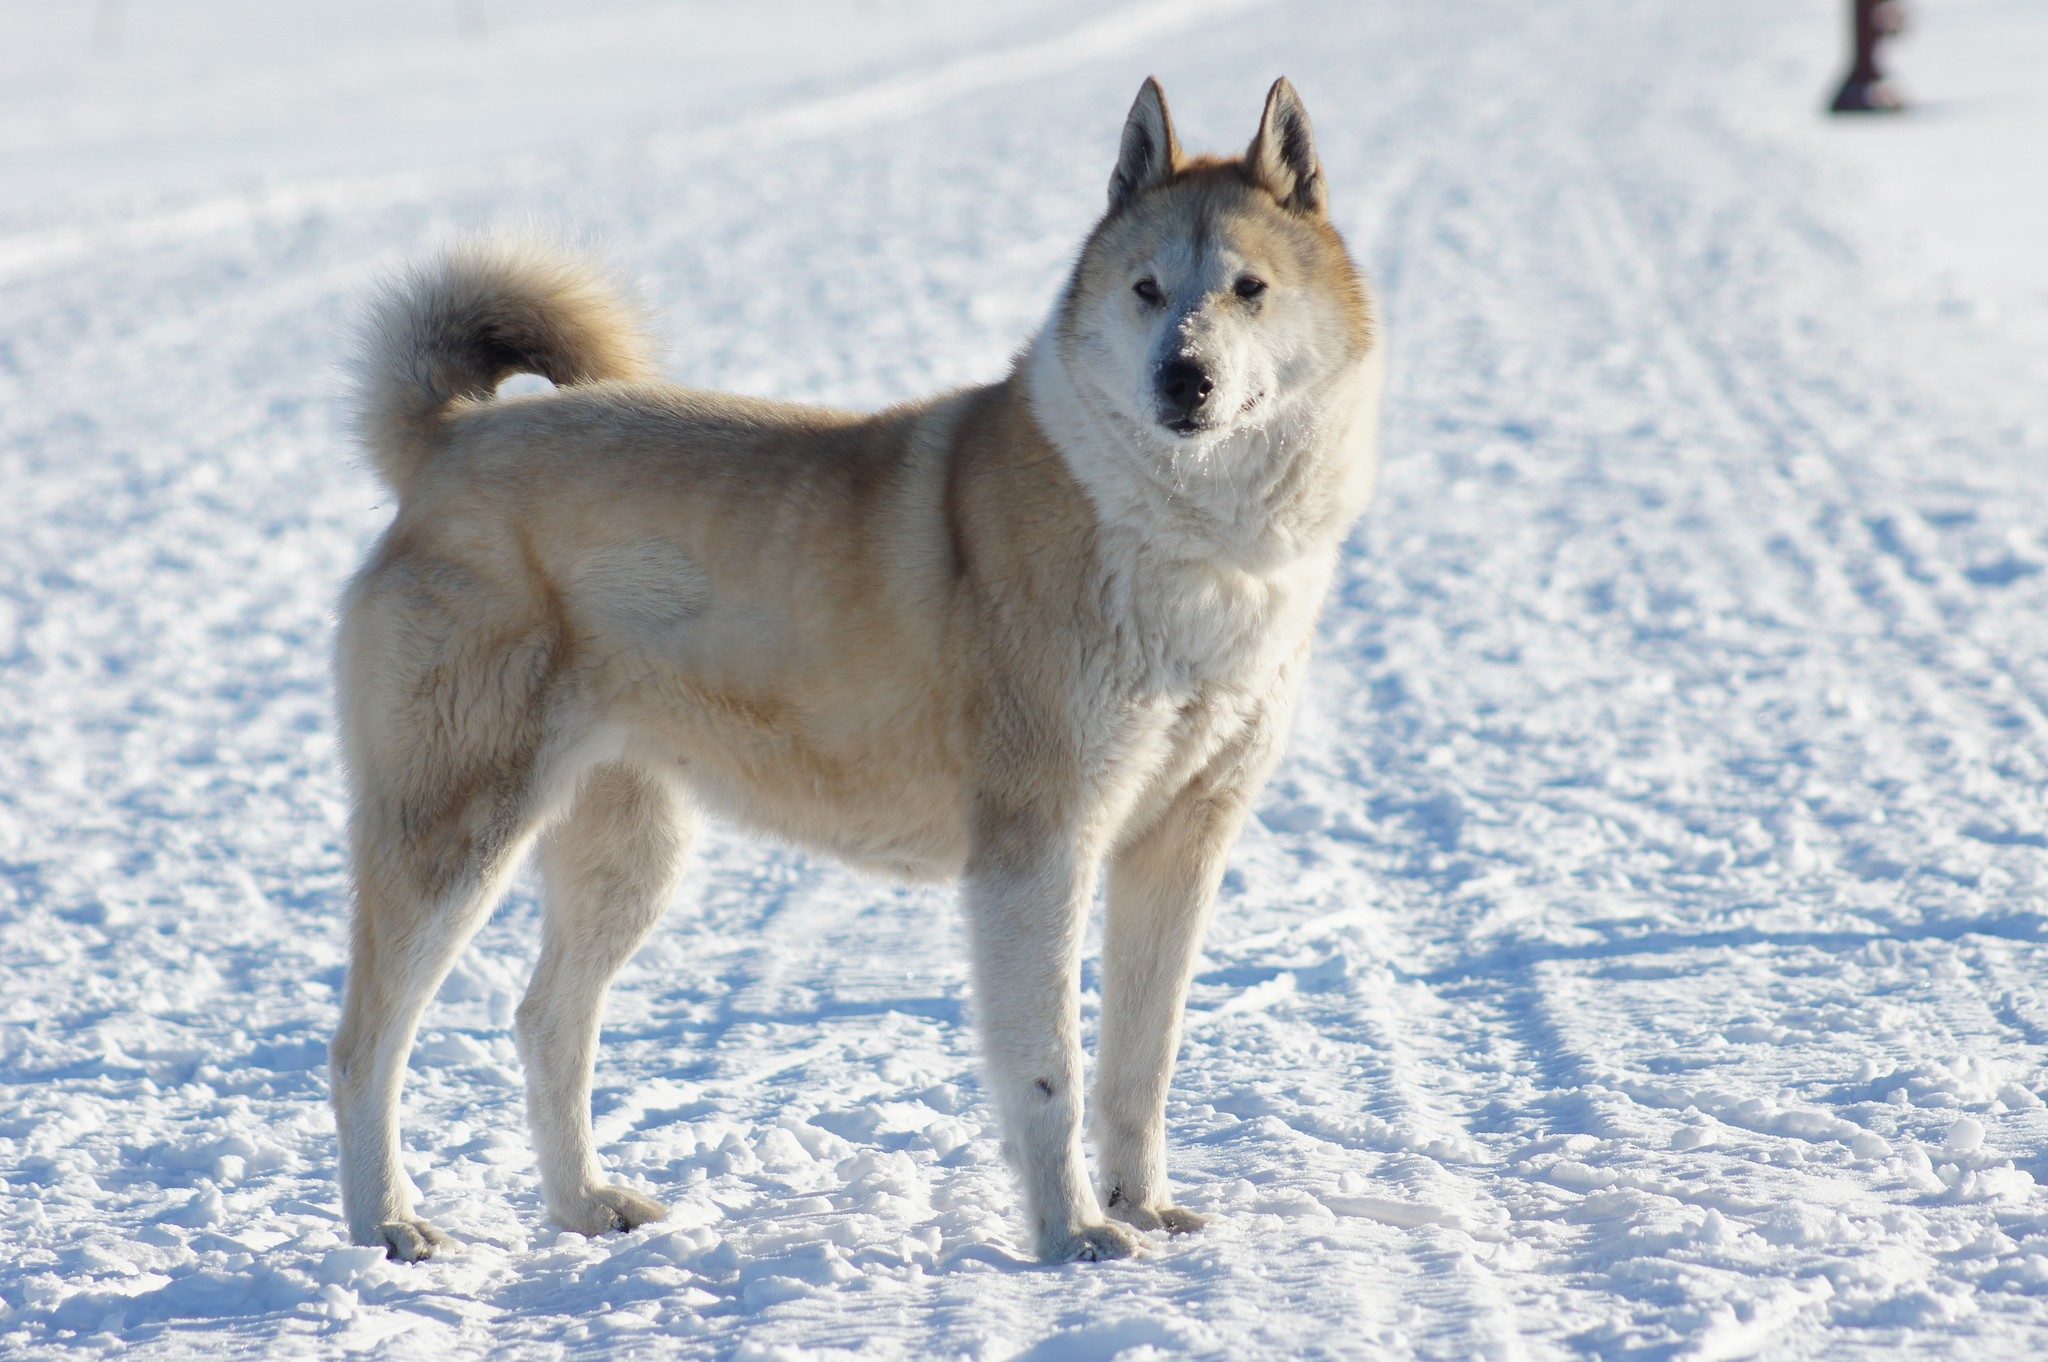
[(1149, 152), (1283, 152)]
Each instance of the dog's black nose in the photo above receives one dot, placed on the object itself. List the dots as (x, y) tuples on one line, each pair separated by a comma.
[(1183, 387)]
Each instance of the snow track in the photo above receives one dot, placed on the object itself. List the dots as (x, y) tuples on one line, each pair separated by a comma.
[(1641, 953)]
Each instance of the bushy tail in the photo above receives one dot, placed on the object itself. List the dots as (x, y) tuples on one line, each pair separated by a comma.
[(450, 332)]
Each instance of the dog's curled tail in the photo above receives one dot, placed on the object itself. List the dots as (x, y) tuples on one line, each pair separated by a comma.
[(444, 336)]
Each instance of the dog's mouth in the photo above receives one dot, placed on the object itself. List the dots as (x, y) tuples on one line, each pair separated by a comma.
[(1191, 425)]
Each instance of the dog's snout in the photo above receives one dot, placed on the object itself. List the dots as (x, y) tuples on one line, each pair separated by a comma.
[(1184, 386)]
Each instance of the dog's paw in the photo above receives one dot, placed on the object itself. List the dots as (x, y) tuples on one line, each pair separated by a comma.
[(608, 1209), (409, 1240), (1094, 1244), (1172, 1219)]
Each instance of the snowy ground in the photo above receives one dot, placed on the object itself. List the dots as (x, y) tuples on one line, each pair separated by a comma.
[(1642, 953)]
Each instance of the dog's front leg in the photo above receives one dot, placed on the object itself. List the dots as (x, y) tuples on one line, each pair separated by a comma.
[(1027, 893), (1162, 886)]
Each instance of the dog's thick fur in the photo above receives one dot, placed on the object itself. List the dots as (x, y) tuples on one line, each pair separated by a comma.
[(1012, 634)]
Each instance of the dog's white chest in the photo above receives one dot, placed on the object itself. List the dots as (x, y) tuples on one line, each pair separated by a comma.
[(1191, 623)]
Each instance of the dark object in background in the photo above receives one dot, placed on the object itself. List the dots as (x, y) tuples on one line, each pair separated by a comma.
[(1866, 90)]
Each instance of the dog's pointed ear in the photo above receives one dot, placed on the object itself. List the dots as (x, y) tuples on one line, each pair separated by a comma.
[(1149, 152), (1283, 153)]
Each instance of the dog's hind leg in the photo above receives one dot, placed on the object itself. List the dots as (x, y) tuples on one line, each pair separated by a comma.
[(609, 868), (445, 707), (415, 911)]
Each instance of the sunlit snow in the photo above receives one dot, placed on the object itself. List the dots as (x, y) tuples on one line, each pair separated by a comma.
[(1643, 952)]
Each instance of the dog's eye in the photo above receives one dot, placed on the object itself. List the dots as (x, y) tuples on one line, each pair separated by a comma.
[(1148, 289), (1248, 287)]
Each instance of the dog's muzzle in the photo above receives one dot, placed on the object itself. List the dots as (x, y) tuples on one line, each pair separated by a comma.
[(1183, 392)]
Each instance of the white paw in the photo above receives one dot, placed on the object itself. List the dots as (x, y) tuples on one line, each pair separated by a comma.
[(1172, 1219), (610, 1208), (1093, 1244), (408, 1240)]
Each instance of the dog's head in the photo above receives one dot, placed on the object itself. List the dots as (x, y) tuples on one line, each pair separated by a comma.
[(1214, 294)]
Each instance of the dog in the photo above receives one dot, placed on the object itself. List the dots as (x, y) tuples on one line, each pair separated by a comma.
[(1023, 635)]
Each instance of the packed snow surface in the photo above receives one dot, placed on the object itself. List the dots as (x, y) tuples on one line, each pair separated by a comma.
[(1641, 953)]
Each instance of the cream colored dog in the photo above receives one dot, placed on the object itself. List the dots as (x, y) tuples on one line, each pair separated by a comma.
[(1011, 634)]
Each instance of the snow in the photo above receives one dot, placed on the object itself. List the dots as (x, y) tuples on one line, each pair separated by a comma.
[(1967, 176), (1641, 952)]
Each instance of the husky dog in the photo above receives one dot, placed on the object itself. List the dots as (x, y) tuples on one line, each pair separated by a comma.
[(1018, 635)]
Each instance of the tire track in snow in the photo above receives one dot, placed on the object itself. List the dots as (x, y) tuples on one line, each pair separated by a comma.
[(1781, 403), (1736, 526)]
